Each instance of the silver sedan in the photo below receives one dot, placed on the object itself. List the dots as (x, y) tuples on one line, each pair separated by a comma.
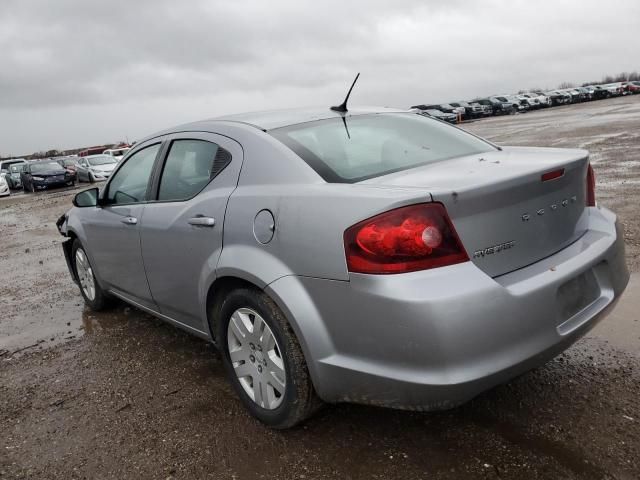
[(95, 168), (373, 256)]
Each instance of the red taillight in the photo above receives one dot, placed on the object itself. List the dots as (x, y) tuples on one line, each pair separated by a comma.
[(591, 187), (417, 237)]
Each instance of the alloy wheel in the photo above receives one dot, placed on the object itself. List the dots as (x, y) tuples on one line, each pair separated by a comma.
[(256, 358), (85, 275)]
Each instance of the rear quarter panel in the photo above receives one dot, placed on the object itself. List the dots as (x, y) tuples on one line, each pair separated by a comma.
[(310, 215)]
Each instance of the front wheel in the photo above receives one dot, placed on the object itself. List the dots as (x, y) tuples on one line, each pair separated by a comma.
[(263, 359), (96, 298)]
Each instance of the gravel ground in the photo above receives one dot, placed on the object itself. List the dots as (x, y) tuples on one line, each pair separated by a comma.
[(122, 395)]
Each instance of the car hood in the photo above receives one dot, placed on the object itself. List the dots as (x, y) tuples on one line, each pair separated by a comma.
[(104, 168), (48, 173)]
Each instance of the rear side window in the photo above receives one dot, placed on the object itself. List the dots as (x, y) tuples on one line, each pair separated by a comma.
[(190, 166), (351, 149), (129, 184)]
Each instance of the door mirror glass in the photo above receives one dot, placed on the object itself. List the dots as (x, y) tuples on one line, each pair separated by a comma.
[(88, 198)]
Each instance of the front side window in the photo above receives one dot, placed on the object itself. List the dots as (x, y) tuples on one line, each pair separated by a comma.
[(190, 166), (351, 149), (129, 184)]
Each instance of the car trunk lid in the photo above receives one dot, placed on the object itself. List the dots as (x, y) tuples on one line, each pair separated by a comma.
[(506, 213)]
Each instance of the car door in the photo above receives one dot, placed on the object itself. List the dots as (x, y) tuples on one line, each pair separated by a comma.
[(25, 176), (181, 231), (113, 229), (80, 169)]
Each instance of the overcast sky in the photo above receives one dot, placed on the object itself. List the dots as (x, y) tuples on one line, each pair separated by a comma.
[(80, 72)]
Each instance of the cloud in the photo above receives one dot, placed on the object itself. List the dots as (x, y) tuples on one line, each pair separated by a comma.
[(92, 71)]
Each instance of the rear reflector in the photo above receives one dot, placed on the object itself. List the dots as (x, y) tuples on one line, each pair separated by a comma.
[(552, 175), (417, 237)]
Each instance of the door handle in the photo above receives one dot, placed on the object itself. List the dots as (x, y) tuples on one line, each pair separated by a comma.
[(129, 220), (202, 221)]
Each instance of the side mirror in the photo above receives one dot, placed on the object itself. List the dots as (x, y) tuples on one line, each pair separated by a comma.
[(87, 198)]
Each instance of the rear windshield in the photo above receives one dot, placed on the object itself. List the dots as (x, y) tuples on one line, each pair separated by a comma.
[(351, 149)]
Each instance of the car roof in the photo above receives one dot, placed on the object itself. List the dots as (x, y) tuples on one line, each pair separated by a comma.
[(268, 120)]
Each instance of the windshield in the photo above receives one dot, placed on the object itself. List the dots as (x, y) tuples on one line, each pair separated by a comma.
[(69, 161), (46, 167), (351, 149), (102, 160)]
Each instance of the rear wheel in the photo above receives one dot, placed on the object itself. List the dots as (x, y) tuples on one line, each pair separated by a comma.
[(93, 295), (263, 359)]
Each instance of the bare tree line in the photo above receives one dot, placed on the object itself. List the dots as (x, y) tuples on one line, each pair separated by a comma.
[(620, 77)]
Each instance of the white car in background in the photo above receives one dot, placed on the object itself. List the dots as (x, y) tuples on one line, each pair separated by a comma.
[(543, 100), (613, 89), (4, 187), (117, 153), (533, 102)]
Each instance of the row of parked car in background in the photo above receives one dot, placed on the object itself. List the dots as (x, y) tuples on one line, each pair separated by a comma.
[(454, 112), (96, 164), (33, 175)]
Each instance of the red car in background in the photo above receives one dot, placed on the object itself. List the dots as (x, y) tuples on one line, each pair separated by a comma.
[(70, 164), (631, 87)]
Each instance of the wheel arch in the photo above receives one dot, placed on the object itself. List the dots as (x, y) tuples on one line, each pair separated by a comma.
[(216, 294), (319, 346)]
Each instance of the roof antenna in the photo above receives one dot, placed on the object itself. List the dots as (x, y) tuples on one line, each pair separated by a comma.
[(343, 107)]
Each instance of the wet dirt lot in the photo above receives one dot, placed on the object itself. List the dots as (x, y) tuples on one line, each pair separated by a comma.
[(122, 395)]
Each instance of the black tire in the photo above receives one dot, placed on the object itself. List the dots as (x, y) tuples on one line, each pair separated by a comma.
[(300, 400), (101, 299), (91, 179)]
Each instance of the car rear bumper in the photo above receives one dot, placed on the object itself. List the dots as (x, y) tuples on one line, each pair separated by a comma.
[(437, 338)]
